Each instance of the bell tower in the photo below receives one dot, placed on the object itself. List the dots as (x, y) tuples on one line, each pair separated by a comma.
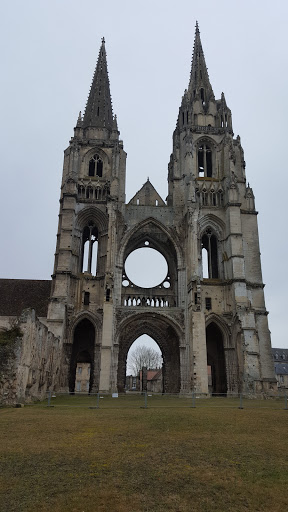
[(93, 187), (227, 318)]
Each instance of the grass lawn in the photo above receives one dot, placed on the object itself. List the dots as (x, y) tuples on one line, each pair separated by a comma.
[(131, 459)]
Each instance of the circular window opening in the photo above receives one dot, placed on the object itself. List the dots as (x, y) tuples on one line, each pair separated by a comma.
[(146, 267)]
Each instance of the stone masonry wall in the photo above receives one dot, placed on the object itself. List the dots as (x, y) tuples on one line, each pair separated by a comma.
[(30, 361)]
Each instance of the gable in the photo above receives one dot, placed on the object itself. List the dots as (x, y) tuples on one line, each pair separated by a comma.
[(147, 196)]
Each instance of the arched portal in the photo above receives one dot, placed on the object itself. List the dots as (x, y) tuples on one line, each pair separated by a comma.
[(144, 353), (82, 351), (217, 378), (164, 334)]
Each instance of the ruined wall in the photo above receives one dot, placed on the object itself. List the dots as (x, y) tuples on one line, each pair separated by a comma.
[(30, 358)]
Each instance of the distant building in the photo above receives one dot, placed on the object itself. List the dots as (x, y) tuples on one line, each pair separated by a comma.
[(82, 377), (146, 380), (132, 383), (152, 381), (280, 357)]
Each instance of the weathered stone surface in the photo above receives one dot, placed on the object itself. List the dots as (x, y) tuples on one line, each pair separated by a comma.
[(30, 361)]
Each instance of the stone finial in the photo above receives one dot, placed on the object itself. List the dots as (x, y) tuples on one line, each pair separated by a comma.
[(79, 120)]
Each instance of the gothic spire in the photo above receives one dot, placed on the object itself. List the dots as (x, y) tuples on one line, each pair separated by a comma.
[(199, 83), (98, 112)]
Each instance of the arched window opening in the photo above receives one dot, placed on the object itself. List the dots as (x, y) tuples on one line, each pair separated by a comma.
[(99, 168), (202, 95), (89, 249), (209, 161), (94, 241), (96, 166), (205, 165), (85, 255), (144, 366), (92, 167), (201, 161), (205, 268), (209, 244)]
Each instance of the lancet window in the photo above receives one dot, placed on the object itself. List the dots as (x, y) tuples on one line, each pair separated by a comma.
[(96, 166), (89, 249), (205, 166), (209, 248)]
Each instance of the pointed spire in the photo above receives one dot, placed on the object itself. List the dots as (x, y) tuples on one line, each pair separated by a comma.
[(98, 112), (199, 79)]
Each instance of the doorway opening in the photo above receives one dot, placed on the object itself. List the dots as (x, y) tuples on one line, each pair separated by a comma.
[(217, 379), (144, 366), (82, 357), (164, 334)]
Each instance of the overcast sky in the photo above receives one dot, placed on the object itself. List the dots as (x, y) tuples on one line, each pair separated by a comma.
[(49, 51)]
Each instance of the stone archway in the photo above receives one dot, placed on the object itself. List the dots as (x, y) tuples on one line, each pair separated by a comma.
[(82, 351), (165, 335), (216, 359)]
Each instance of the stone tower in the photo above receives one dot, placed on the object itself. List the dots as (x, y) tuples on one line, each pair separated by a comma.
[(208, 315)]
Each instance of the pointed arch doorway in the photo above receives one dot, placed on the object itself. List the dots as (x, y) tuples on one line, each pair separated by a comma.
[(217, 378), (82, 356), (164, 334), (144, 353)]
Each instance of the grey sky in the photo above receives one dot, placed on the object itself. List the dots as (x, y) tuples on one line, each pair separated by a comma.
[(49, 51)]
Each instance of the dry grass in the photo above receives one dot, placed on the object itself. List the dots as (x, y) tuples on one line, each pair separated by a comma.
[(159, 459)]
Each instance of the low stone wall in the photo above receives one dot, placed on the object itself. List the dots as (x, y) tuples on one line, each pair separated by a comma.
[(30, 358)]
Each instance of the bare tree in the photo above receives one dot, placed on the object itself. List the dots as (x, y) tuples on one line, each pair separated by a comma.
[(143, 356)]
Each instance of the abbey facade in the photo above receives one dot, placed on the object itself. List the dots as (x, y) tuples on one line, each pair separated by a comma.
[(209, 311)]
